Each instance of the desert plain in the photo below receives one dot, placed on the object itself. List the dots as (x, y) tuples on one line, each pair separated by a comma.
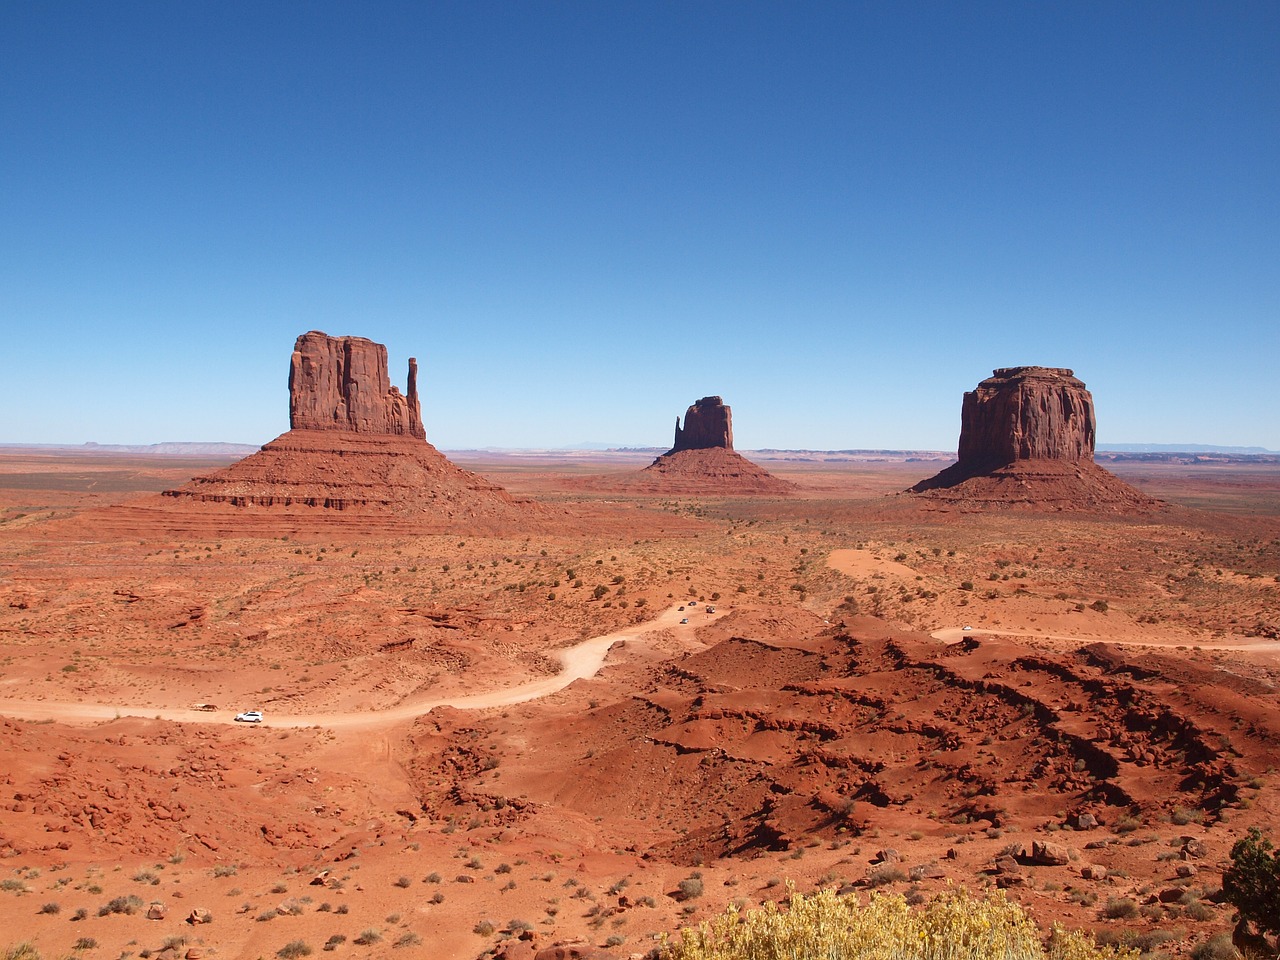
[(500, 738)]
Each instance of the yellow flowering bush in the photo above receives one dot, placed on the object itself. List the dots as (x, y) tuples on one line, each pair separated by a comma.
[(826, 926)]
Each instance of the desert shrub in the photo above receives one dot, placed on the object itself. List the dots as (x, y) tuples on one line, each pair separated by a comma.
[(12, 885), (294, 948), (407, 939), (1120, 909), (85, 943), (885, 874), (690, 887), (21, 951), (404, 882), (369, 936), (51, 908), (146, 876), (127, 905), (953, 926), (333, 942), (484, 929), (225, 870), (1147, 942), (1252, 883), (1217, 947), (1199, 911), (1126, 824)]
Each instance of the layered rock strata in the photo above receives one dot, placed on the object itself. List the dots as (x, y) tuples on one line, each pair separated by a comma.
[(357, 445), (1027, 437)]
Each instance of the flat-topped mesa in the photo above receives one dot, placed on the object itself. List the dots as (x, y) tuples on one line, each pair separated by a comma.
[(1026, 413), (1026, 441), (341, 383), (707, 424)]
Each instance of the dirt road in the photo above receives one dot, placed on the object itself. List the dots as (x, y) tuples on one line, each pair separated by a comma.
[(579, 662)]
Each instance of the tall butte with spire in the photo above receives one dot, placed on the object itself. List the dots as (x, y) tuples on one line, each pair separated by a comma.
[(1027, 439), (356, 445), (702, 458)]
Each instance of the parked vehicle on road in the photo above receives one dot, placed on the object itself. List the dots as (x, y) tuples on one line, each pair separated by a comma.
[(249, 716)]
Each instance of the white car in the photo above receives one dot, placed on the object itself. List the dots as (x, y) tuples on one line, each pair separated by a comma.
[(249, 716), (684, 619)]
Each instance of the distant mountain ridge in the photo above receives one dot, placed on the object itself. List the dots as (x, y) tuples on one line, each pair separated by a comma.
[(1181, 448), (170, 448)]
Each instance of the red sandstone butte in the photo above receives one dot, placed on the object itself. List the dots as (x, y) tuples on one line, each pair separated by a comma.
[(356, 445), (1027, 438), (341, 383), (707, 424), (702, 459)]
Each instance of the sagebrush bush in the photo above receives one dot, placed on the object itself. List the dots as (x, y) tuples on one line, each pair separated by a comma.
[(953, 926)]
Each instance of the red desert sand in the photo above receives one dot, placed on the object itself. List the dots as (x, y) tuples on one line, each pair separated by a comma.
[(508, 715)]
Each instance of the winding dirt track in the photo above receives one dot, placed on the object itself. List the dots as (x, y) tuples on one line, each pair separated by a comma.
[(579, 662)]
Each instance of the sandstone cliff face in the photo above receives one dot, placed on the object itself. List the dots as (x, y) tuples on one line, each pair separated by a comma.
[(1026, 413), (341, 383), (1026, 441), (707, 424)]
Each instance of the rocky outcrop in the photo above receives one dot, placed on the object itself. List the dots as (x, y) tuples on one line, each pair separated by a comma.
[(341, 383), (711, 471), (1026, 440), (1026, 413), (702, 460), (708, 424), (357, 448)]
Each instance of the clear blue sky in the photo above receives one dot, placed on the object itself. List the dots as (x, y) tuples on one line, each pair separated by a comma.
[(582, 216)]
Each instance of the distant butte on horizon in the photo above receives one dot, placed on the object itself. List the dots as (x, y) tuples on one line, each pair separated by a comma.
[(702, 458), (1027, 438)]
